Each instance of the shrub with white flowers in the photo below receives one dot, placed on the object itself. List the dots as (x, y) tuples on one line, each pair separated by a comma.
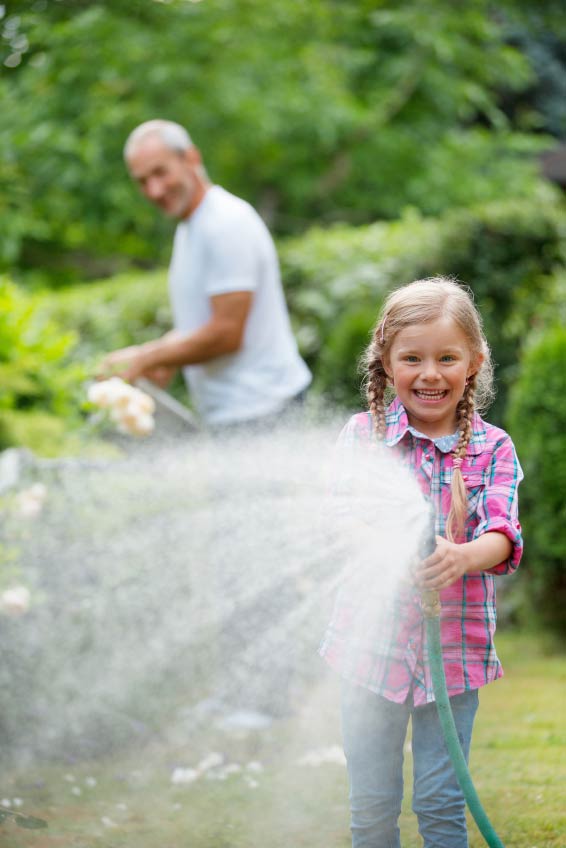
[(130, 409)]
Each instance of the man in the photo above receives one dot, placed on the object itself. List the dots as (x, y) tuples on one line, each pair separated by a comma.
[(232, 333)]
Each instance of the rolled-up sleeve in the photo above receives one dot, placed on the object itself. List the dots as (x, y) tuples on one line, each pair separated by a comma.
[(498, 509)]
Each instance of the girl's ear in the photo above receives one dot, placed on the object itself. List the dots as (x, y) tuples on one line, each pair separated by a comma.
[(389, 374), (476, 364)]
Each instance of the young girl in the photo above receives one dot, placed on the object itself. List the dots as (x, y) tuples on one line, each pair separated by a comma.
[(429, 348)]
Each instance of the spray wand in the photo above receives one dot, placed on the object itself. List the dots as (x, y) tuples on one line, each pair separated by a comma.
[(431, 609)]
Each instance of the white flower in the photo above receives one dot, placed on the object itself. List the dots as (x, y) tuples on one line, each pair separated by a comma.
[(129, 408), (333, 754), (210, 761), (255, 765), (29, 502), (107, 393), (232, 768), (132, 419), (15, 601), (184, 775), (144, 401)]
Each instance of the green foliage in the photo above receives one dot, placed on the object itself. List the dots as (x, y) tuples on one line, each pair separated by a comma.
[(507, 252), (127, 309), (38, 384), (338, 371), (510, 253), (537, 420), (320, 111)]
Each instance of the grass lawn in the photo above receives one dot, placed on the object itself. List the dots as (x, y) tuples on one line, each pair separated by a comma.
[(268, 799)]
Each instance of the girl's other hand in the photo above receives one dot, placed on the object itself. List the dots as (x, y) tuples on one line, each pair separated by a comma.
[(447, 564)]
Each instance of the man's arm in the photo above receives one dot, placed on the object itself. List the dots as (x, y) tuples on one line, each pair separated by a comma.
[(221, 335)]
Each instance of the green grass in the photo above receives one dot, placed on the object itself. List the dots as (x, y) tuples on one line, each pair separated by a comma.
[(517, 763)]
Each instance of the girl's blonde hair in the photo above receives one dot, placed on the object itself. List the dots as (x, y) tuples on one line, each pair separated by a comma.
[(422, 302)]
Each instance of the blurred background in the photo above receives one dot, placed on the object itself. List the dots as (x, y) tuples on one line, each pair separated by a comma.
[(381, 142)]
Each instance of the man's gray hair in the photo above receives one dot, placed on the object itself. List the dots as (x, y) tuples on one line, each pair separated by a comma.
[(173, 135)]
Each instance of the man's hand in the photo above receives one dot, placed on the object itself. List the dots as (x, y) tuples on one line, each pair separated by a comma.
[(161, 375), (127, 363), (222, 334)]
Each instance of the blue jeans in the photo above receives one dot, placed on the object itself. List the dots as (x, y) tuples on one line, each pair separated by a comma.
[(374, 731)]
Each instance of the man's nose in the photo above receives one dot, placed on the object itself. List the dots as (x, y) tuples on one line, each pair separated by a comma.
[(154, 188)]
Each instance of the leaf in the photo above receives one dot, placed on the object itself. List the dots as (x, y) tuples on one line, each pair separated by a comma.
[(30, 822)]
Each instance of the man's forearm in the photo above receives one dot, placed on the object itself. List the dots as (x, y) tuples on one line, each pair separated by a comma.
[(177, 349)]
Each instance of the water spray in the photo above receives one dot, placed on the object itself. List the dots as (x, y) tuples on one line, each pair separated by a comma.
[(431, 610)]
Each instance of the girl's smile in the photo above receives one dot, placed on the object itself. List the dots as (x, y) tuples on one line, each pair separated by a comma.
[(428, 365)]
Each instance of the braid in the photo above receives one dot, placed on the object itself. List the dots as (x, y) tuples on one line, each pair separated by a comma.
[(464, 411), (376, 392)]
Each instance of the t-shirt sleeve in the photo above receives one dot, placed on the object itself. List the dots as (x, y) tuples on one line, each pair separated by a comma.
[(232, 257), (498, 509)]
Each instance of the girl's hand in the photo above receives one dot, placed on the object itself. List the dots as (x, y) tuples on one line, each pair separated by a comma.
[(445, 566)]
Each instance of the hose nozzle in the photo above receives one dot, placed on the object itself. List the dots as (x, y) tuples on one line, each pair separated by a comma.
[(430, 601)]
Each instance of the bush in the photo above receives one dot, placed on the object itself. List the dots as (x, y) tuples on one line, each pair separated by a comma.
[(127, 309), (39, 396), (336, 278), (507, 252), (537, 420), (105, 315)]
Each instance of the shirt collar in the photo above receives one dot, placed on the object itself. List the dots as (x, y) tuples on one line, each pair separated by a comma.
[(397, 426)]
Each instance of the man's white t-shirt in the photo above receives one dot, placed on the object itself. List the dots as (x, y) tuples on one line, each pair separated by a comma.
[(225, 247)]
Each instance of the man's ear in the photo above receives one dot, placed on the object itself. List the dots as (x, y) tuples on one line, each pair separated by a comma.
[(192, 156)]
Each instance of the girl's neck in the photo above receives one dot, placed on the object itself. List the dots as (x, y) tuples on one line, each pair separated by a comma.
[(433, 432)]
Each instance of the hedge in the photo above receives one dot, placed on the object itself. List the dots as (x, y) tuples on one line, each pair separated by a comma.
[(39, 381), (336, 279), (537, 420), (511, 253)]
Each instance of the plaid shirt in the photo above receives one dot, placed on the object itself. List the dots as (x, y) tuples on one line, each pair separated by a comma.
[(388, 654)]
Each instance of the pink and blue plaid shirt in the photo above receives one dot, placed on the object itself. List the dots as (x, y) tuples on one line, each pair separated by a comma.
[(391, 657)]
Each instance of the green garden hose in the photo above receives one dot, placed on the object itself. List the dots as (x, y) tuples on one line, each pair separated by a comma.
[(431, 609)]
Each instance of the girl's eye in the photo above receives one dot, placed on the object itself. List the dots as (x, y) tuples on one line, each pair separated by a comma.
[(411, 358), (447, 358)]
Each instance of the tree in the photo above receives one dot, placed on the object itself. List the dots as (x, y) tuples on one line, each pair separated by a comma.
[(314, 111)]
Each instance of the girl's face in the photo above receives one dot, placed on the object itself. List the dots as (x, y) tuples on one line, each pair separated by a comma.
[(428, 365)]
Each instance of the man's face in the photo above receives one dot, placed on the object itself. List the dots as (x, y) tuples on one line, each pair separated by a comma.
[(167, 178)]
